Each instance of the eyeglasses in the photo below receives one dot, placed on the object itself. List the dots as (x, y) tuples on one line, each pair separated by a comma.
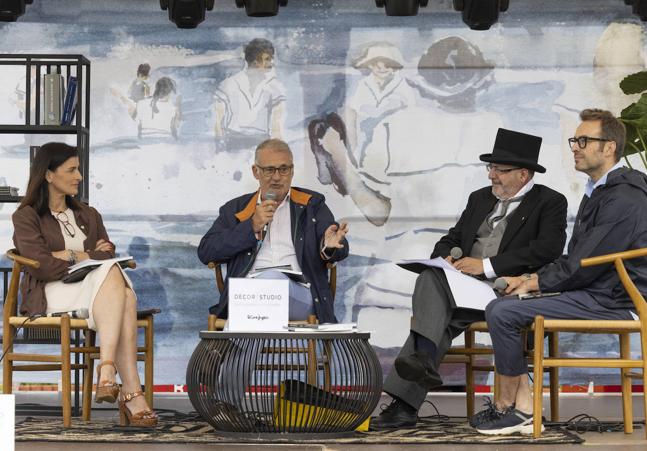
[(582, 141), (269, 171), (67, 226), (498, 170)]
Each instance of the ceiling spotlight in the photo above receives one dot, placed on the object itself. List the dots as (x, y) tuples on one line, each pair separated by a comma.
[(639, 8), (261, 8), (10, 10), (186, 13), (481, 14), (401, 7)]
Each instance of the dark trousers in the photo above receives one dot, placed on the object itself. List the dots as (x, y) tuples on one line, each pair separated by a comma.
[(508, 316), (436, 318)]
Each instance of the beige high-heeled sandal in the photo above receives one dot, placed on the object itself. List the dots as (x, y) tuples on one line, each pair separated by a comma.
[(146, 418), (106, 391)]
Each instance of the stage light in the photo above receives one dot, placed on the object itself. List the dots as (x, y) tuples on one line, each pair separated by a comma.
[(639, 8), (481, 14), (10, 10), (261, 8), (401, 7), (186, 13)]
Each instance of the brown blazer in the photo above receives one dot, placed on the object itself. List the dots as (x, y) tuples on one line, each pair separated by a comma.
[(36, 237)]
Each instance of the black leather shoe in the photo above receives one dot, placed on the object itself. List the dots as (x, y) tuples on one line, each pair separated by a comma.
[(417, 367), (396, 415)]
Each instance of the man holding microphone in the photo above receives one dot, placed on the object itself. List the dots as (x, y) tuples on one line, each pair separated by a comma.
[(506, 228), (278, 226)]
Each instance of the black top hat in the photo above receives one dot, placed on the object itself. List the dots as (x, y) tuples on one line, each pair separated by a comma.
[(516, 149)]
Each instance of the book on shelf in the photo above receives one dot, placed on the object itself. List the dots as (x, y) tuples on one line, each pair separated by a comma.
[(69, 106), (53, 93), (8, 191)]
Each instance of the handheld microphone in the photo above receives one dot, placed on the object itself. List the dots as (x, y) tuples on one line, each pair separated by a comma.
[(456, 253), (81, 313), (500, 284), (270, 195)]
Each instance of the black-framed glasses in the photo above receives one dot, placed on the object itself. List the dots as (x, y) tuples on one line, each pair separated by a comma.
[(490, 167), (67, 226), (583, 140), (268, 171)]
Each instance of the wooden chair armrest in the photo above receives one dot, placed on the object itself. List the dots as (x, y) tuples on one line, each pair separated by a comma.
[(141, 314), (610, 258), (15, 256)]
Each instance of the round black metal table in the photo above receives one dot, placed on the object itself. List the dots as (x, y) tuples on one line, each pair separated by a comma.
[(302, 383)]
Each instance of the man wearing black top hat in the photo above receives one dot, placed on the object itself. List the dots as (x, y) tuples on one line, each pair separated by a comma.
[(509, 228)]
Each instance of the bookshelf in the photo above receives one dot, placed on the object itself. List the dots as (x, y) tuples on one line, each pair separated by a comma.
[(35, 66)]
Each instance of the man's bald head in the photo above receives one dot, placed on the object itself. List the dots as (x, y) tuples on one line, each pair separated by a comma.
[(274, 145)]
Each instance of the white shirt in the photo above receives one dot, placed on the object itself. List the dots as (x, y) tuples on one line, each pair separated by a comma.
[(249, 112), (591, 185), (74, 243), (277, 248), (488, 270)]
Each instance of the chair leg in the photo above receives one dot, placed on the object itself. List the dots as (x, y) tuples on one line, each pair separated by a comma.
[(469, 374), (496, 389), (7, 366), (87, 375), (211, 323), (148, 361), (553, 351), (627, 405), (538, 377), (643, 350), (66, 371)]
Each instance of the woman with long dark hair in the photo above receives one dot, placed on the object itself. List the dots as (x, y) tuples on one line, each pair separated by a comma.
[(57, 230)]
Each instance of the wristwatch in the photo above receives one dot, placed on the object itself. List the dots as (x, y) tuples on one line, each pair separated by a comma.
[(527, 276), (72, 259)]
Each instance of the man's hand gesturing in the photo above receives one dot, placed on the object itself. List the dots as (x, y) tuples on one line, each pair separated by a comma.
[(334, 236)]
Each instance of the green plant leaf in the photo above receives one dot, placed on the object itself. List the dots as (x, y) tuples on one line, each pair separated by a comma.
[(635, 111), (633, 144), (634, 83)]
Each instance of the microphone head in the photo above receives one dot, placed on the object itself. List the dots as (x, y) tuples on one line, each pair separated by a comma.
[(456, 253), (500, 284), (82, 313), (270, 195)]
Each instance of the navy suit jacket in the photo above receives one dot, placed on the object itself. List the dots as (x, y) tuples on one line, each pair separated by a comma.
[(231, 240)]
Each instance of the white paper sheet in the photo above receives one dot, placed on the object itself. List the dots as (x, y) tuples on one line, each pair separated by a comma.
[(468, 291)]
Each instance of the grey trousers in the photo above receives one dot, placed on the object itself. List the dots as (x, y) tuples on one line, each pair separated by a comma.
[(508, 316), (435, 317)]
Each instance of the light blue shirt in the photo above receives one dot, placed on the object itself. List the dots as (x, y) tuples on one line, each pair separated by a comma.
[(591, 185)]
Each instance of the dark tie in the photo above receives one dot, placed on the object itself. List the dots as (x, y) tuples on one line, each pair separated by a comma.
[(505, 204)]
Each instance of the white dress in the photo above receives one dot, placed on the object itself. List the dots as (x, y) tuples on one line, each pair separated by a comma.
[(68, 297)]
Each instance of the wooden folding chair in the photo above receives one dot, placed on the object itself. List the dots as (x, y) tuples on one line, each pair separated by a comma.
[(621, 328), (64, 325)]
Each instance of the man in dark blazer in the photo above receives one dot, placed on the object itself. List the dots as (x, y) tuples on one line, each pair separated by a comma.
[(292, 226), (511, 227)]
